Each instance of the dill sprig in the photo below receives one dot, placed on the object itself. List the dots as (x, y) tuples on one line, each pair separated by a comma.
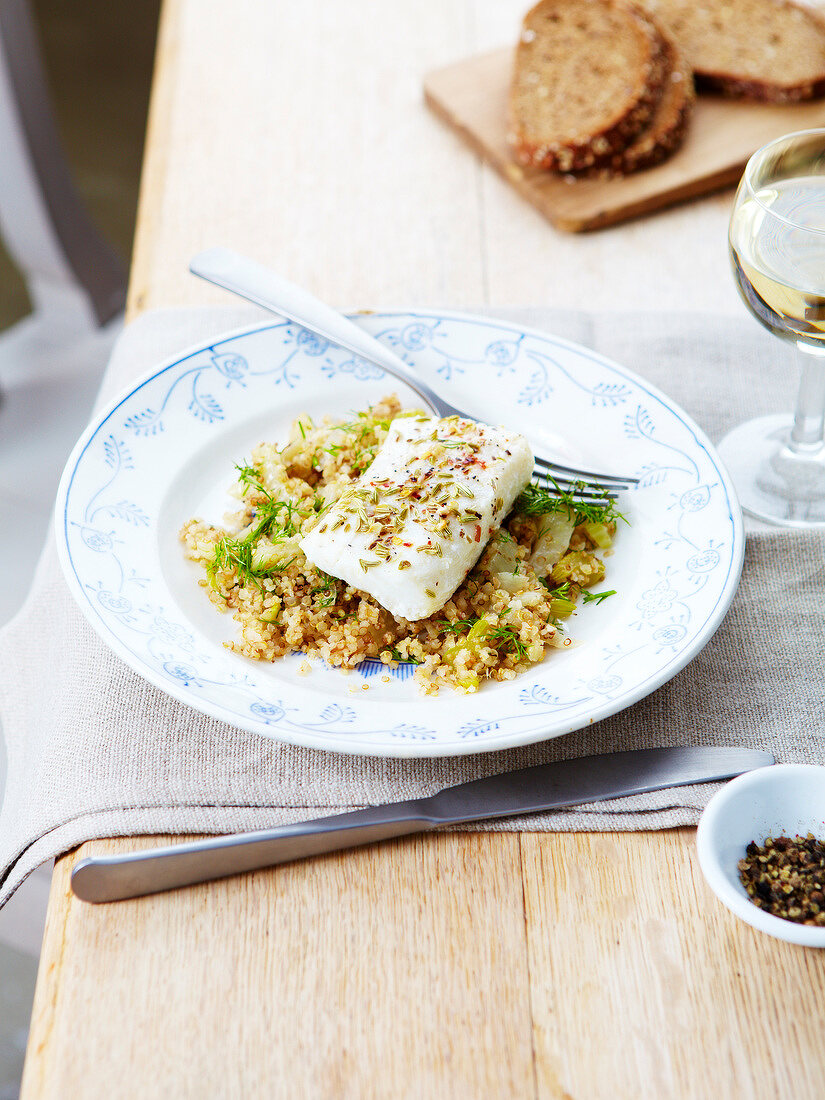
[(535, 500), (597, 597), (506, 637), (561, 592), (326, 591), (232, 554), (269, 512), (273, 519), (396, 656), (460, 626), (238, 554), (363, 458), (365, 434), (501, 637), (364, 423)]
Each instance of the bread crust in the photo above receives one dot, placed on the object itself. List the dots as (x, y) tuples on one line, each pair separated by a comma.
[(669, 126), (718, 78), (761, 91), (599, 145)]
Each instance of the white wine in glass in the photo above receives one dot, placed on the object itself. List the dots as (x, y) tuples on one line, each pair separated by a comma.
[(777, 248)]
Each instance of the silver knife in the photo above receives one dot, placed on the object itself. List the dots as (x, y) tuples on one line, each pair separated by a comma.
[(546, 787)]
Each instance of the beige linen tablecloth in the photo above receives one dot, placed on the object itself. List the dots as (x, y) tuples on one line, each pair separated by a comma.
[(93, 750)]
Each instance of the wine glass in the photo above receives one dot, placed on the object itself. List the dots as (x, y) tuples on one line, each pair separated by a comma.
[(777, 249)]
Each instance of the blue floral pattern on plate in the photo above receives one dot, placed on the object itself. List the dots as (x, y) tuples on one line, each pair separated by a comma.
[(165, 451)]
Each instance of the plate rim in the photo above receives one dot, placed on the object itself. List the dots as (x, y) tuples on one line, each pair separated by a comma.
[(403, 750)]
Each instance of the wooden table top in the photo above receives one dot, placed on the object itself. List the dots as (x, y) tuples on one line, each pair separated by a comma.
[(463, 964)]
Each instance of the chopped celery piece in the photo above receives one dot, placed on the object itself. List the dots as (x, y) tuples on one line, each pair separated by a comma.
[(562, 608), (270, 556), (469, 682), (471, 641), (599, 534), (501, 554), (581, 567), (270, 615), (553, 540)]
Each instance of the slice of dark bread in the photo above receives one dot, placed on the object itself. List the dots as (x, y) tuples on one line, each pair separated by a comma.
[(769, 50), (670, 122), (587, 79)]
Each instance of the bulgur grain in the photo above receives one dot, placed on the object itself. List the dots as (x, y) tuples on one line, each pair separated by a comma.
[(254, 567)]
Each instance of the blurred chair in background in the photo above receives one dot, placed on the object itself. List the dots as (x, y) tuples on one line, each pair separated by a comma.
[(99, 58), (76, 283)]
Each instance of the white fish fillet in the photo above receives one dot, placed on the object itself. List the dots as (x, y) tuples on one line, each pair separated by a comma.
[(412, 527)]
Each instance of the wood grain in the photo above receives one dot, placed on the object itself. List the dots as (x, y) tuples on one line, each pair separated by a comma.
[(665, 994), (156, 154), (285, 153), (374, 203), (471, 97), (464, 964), (398, 971)]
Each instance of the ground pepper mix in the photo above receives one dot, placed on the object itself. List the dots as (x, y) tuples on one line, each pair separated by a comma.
[(786, 877)]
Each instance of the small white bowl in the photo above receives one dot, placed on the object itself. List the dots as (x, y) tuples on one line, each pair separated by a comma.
[(783, 800)]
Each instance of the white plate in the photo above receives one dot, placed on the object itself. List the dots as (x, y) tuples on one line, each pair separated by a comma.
[(166, 449)]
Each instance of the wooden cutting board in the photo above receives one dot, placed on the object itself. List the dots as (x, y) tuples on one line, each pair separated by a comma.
[(471, 97)]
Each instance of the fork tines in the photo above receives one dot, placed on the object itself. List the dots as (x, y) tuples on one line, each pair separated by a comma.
[(579, 491), (587, 484)]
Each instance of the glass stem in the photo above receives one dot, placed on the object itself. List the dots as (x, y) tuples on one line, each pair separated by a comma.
[(808, 433)]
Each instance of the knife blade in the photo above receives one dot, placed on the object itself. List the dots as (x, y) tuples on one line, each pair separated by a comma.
[(530, 790)]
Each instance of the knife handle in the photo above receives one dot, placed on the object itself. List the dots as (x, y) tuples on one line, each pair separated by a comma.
[(135, 874)]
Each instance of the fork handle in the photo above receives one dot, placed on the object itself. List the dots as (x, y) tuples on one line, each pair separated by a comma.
[(256, 283)]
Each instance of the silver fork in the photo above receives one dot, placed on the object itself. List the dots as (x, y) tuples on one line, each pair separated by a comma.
[(259, 284)]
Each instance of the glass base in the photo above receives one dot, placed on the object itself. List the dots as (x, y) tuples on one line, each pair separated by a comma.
[(773, 483)]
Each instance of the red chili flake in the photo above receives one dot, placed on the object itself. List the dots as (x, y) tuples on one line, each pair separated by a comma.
[(478, 532)]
